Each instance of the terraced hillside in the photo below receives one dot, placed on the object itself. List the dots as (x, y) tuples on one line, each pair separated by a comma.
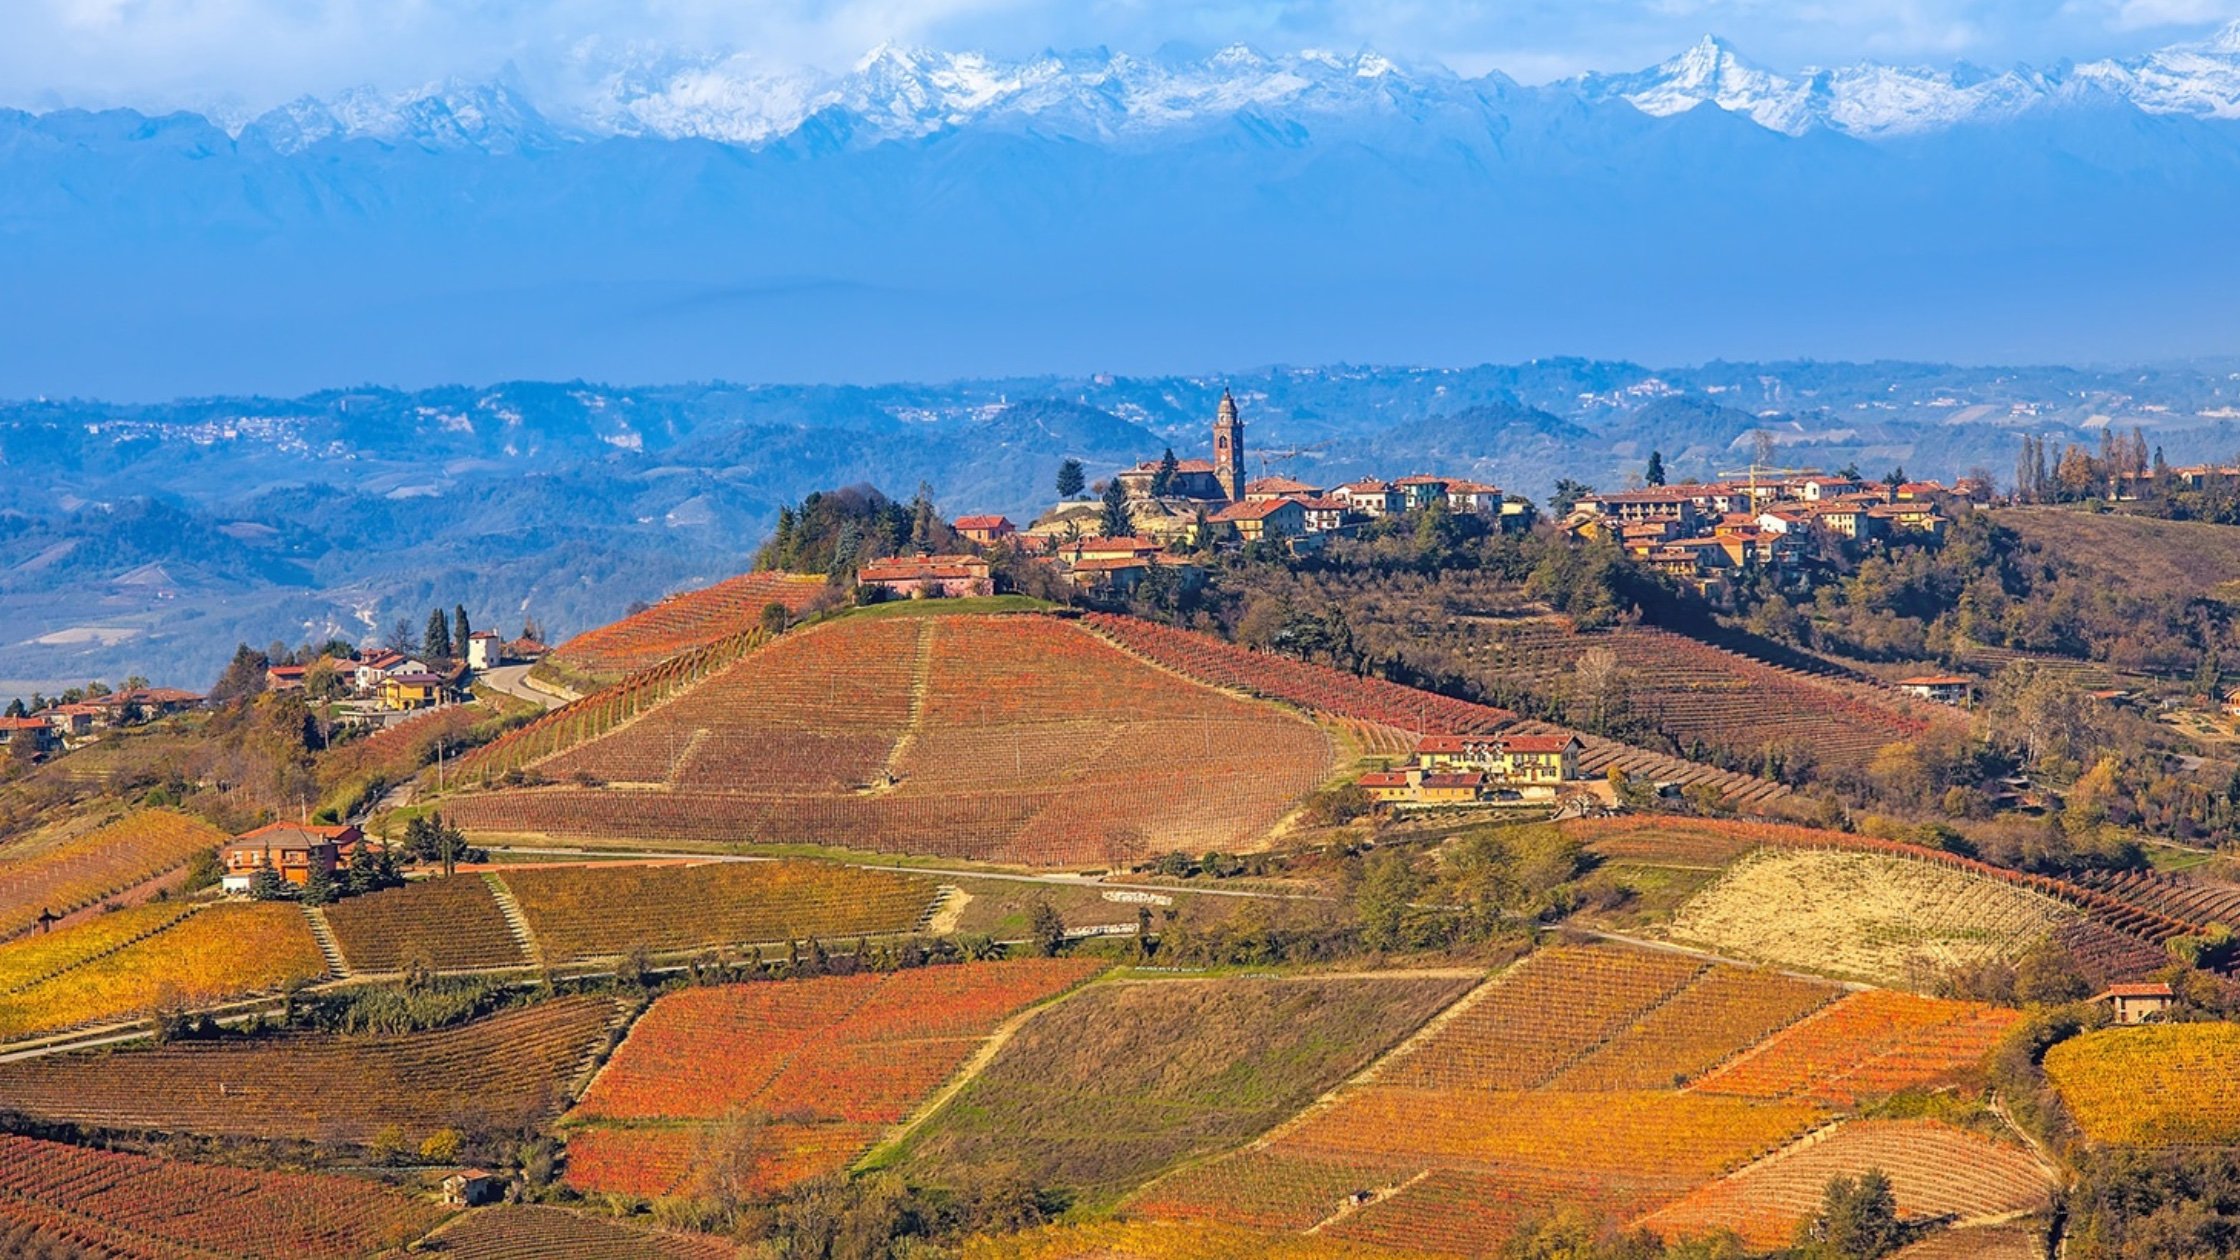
[(2117, 933), (1705, 696), (679, 623), (1391, 715), (70, 872), (821, 1066), (1867, 916), (493, 1075), (1107, 1088), (1009, 738), (86, 975), (112, 1204), (1936, 1171), (1585, 1078)]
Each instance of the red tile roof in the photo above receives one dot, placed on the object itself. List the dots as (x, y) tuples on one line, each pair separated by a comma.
[(1279, 485), (1937, 680), (2144, 990), (1470, 780), (1384, 778), (1538, 743), (982, 522), (1253, 511)]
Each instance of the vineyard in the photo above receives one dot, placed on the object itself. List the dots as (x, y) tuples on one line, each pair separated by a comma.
[(445, 924), (212, 955), (682, 622), (1102, 1091), (605, 912), (1601, 1077), (1936, 1172), (489, 1076), (26, 962), (1871, 1043), (517, 1231), (133, 1205), (1004, 738), (1390, 705), (81, 871), (1864, 915), (350, 774), (1704, 696), (2133, 917), (1160, 1240), (2161, 1085), (834, 1060)]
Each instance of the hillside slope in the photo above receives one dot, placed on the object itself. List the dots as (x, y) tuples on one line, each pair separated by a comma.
[(1016, 739)]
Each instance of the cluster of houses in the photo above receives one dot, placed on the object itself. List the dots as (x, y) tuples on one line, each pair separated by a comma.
[(1182, 507), (398, 682), (1708, 533), (57, 726), (1447, 770)]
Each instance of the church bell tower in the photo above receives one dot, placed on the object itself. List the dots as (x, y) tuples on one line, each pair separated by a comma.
[(1228, 449)]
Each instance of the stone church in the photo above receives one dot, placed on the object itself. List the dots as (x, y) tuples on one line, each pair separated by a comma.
[(1217, 480)]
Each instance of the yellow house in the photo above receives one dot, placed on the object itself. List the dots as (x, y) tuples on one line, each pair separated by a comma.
[(1539, 758), (1387, 787), (410, 691)]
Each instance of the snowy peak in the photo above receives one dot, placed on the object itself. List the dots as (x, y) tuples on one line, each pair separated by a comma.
[(491, 117), (896, 92)]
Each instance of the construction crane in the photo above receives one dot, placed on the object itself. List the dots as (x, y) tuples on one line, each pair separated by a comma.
[(1757, 470), (1288, 454)]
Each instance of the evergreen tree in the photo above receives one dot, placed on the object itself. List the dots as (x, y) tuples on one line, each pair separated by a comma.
[(318, 887), (1654, 475), (437, 640), (1070, 479), (460, 630), (16, 709), (243, 677), (363, 875), (1162, 481), (1114, 522), (266, 885), (1046, 928)]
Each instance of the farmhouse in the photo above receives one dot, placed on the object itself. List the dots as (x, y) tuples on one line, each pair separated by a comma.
[(473, 1187), (1940, 688), (293, 849), (485, 650), (1465, 769), (2136, 1003), (30, 732), (403, 692), (922, 577), (984, 530)]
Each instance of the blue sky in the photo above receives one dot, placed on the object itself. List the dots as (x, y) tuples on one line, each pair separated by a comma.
[(259, 52)]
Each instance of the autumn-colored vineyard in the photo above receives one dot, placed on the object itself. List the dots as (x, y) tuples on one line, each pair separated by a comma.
[(26, 962), (492, 1075), (1867, 1044), (133, 1205), (101, 863), (519, 1231), (2163, 1085), (1698, 694), (1936, 1172), (603, 912), (1005, 738), (213, 955), (1388, 704), (683, 622), (1162, 1240), (1617, 1079), (602, 711), (448, 924), (834, 1059)]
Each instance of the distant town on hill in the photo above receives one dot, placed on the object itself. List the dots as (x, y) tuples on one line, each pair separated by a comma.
[(150, 539)]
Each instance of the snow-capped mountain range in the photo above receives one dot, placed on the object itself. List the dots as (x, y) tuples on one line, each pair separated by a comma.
[(896, 92)]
